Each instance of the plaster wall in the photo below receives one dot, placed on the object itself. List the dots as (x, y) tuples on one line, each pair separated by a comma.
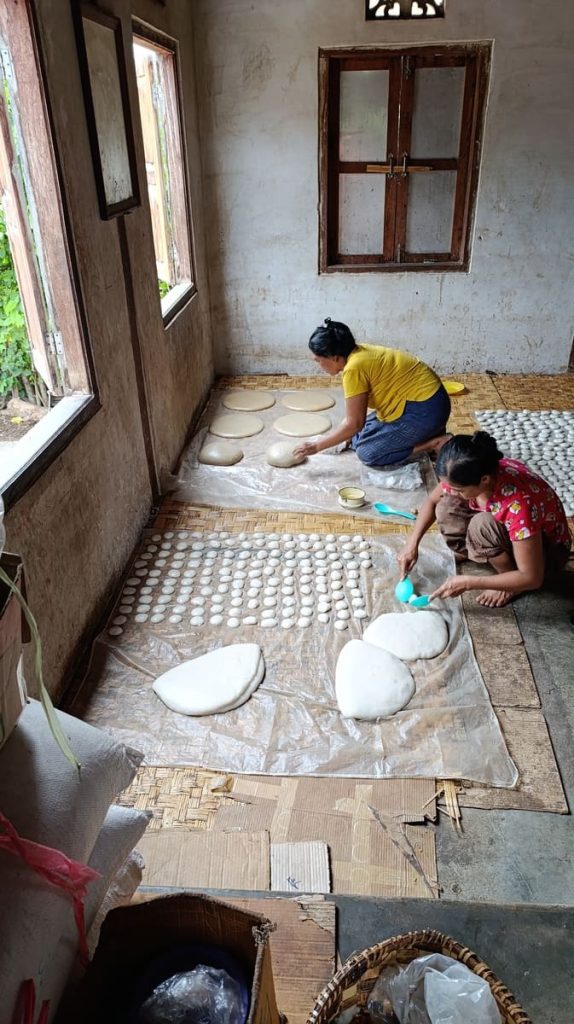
[(514, 310), (77, 526)]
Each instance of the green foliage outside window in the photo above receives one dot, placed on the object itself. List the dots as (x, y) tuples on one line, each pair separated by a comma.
[(17, 375)]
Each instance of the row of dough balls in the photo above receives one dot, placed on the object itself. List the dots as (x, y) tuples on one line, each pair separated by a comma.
[(543, 440), (256, 573), (305, 421)]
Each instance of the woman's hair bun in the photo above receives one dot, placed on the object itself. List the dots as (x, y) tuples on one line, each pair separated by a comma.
[(466, 458), (332, 338), (486, 444)]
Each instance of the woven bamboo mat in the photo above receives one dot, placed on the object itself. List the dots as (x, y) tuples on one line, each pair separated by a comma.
[(181, 798), (534, 391), (480, 393), (276, 381), (180, 515)]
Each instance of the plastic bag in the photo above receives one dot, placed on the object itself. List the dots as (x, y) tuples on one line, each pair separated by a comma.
[(433, 989), (399, 478), (206, 995)]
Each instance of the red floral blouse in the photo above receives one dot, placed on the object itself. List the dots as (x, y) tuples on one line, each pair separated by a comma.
[(525, 503)]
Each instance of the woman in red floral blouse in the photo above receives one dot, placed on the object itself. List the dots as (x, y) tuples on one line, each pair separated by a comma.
[(496, 510)]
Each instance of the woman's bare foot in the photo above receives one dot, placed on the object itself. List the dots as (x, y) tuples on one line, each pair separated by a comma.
[(433, 445), (494, 598)]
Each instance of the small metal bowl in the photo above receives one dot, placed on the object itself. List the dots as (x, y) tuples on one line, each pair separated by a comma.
[(351, 497)]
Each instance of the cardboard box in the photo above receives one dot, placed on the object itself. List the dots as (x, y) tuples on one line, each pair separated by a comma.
[(133, 936), (13, 633)]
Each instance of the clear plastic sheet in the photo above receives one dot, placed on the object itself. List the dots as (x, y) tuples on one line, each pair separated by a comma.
[(311, 487), (291, 725)]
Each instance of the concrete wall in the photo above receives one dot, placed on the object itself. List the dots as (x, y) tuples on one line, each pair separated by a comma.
[(77, 526), (257, 62)]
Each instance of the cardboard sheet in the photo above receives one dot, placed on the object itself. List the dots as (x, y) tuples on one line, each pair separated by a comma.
[(389, 859), (206, 860), (303, 949), (300, 867)]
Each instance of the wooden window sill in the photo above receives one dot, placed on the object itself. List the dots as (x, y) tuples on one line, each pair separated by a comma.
[(21, 465)]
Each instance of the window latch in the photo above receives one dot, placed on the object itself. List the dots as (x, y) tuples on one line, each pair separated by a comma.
[(388, 168)]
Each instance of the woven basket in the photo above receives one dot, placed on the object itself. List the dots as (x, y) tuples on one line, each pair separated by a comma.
[(351, 986)]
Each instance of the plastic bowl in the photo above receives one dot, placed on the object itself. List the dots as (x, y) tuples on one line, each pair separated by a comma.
[(453, 387)]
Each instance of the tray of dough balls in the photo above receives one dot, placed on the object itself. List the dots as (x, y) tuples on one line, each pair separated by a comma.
[(242, 456)]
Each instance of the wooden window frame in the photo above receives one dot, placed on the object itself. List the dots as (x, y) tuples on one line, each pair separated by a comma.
[(46, 441), (402, 63), (181, 294)]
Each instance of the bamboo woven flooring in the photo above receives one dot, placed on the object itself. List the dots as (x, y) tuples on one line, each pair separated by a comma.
[(180, 515)]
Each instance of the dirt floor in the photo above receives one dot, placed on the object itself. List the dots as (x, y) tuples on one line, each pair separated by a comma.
[(17, 418)]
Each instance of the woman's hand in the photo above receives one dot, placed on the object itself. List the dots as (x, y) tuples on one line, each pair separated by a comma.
[(407, 558), (308, 448), (454, 587)]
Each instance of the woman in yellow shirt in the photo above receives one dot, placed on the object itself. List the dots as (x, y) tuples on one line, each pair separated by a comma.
[(411, 406)]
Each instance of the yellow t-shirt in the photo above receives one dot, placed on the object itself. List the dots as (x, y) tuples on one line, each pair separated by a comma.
[(389, 377)]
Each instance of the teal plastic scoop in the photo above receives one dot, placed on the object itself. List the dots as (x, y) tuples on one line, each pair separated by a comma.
[(404, 590), (421, 601), (386, 510)]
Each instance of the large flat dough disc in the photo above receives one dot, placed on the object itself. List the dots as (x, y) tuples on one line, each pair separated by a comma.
[(409, 635), (220, 453), (281, 454), (239, 424), (248, 401), (371, 683), (302, 424), (308, 401), (218, 681)]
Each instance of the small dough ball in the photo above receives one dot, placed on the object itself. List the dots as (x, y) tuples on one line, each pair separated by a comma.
[(220, 453), (280, 454)]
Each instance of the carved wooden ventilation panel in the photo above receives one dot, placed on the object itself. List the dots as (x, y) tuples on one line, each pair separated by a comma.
[(395, 9)]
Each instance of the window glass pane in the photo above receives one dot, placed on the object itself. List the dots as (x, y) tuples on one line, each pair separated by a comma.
[(363, 116), (161, 130), (361, 213), (430, 210), (437, 112)]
